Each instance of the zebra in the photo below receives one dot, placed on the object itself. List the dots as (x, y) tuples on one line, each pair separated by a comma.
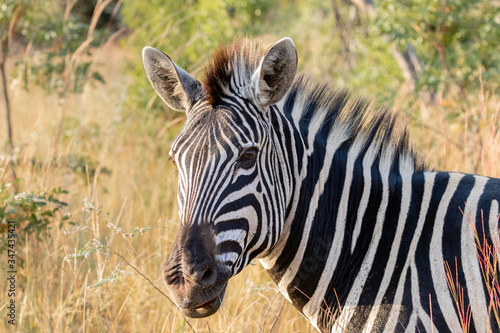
[(325, 190)]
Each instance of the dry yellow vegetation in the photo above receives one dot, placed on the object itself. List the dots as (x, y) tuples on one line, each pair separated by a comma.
[(120, 181)]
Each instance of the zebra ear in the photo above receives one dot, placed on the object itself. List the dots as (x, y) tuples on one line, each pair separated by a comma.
[(174, 85), (276, 72)]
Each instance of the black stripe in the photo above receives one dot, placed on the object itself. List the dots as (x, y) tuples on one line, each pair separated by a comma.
[(377, 271), (422, 260), (321, 234), (407, 308), (314, 165), (411, 221), (350, 263), (452, 234), (231, 225)]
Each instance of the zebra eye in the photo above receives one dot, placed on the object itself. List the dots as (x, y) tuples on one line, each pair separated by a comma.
[(248, 157), (173, 162)]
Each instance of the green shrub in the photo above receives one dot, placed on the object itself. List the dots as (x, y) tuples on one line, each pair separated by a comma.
[(454, 40), (31, 213)]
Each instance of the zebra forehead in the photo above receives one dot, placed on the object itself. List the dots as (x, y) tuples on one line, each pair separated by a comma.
[(237, 62), (220, 124), (209, 132)]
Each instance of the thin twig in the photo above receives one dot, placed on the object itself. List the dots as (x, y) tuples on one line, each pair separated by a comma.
[(239, 315), (277, 316), (267, 311), (432, 320), (150, 282)]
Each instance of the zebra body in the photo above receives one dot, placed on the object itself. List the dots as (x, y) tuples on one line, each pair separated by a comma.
[(325, 191)]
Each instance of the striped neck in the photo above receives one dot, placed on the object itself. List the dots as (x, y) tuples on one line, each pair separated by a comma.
[(341, 164)]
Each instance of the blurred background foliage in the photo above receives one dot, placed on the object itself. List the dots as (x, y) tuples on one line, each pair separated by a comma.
[(56, 39), (189, 31), (452, 39), (369, 47), (81, 125)]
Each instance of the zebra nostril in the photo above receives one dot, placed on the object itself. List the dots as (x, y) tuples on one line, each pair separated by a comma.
[(203, 274), (209, 276)]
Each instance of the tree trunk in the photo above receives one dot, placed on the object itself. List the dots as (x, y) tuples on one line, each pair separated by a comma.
[(3, 73)]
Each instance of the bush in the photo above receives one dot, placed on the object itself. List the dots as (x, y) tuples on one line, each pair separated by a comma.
[(454, 40), (31, 213), (189, 31)]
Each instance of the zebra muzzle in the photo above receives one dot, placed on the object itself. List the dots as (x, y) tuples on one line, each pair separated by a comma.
[(195, 279), (205, 309)]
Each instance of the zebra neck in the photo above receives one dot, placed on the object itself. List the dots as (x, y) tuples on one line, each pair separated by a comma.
[(332, 224)]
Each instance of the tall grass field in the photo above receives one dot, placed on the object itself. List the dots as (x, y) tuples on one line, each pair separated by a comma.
[(93, 195)]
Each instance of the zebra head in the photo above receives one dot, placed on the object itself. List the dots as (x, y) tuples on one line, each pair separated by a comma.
[(233, 181)]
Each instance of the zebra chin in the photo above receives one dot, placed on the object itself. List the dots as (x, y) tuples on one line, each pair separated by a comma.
[(205, 309), (197, 298)]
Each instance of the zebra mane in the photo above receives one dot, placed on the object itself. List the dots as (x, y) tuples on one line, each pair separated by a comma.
[(237, 62), (328, 110), (233, 65)]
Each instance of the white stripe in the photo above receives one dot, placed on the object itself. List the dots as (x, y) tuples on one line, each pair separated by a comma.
[(312, 308), (227, 256), (472, 271), (493, 224), (363, 204), (412, 323), (393, 322), (334, 141), (396, 245), (298, 108), (237, 235), (436, 260), (418, 307), (364, 271)]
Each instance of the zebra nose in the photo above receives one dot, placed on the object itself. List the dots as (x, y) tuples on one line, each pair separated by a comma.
[(201, 272), (198, 252)]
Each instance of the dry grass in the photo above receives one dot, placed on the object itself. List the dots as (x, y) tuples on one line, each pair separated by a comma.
[(55, 295), (487, 254), (457, 293), (461, 133)]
